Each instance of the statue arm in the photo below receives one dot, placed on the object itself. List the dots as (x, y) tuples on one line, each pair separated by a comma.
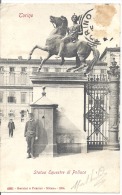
[(80, 32), (80, 25)]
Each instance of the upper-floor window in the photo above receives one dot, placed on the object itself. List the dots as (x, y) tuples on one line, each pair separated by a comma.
[(34, 69), (23, 97), (1, 75), (23, 75), (1, 96), (103, 71), (11, 69), (46, 69), (97, 71), (23, 69), (12, 75), (1, 69)]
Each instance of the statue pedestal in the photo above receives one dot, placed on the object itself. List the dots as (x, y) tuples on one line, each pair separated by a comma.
[(61, 111)]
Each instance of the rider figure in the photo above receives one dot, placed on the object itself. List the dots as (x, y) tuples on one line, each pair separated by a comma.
[(72, 36)]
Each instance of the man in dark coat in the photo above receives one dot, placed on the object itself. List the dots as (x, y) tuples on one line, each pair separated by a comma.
[(31, 134), (11, 127)]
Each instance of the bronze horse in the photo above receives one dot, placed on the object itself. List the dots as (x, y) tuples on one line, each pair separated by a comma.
[(80, 49)]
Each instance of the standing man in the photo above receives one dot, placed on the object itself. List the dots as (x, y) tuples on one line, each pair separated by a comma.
[(11, 127), (31, 134)]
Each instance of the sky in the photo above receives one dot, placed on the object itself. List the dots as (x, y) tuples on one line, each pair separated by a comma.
[(20, 34)]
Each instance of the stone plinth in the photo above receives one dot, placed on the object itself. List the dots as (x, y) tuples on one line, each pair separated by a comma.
[(67, 91), (58, 78)]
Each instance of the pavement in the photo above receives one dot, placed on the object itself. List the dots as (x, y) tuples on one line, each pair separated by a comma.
[(96, 171)]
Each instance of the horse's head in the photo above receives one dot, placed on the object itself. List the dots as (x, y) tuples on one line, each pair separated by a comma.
[(59, 21)]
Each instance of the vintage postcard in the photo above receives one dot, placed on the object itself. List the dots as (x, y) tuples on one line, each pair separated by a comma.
[(60, 97)]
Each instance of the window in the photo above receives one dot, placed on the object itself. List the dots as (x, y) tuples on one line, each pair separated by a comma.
[(23, 97), (34, 69), (103, 71), (23, 75), (97, 71), (23, 69), (1, 69), (46, 69), (11, 97), (1, 96), (12, 76), (12, 69), (1, 75)]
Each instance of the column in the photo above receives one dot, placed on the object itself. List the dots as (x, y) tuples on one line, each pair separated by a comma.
[(114, 78)]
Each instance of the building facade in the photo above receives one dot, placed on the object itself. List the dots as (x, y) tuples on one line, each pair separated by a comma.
[(100, 68), (108, 55), (16, 89)]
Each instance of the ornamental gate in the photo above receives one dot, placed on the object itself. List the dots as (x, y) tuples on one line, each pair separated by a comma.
[(96, 109)]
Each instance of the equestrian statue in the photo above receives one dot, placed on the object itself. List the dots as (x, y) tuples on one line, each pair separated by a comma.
[(64, 42)]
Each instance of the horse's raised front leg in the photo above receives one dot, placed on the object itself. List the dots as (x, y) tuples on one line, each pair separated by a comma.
[(37, 47), (31, 52), (44, 60)]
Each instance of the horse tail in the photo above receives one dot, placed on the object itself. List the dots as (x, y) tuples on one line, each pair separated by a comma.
[(96, 55)]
